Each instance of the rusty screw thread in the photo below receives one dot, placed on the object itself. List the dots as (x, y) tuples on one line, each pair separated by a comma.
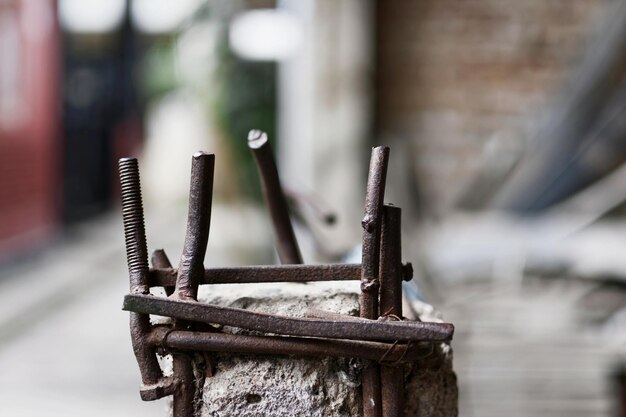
[(134, 229), (137, 256)]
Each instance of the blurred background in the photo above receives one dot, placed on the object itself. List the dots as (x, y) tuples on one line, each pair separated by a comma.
[(507, 127)]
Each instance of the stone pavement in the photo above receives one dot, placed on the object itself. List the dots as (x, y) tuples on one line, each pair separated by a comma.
[(64, 341)]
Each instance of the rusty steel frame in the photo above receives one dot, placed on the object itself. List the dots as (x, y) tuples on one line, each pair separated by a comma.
[(380, 336)]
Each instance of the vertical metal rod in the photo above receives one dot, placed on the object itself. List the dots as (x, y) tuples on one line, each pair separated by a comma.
[(391, 268), (160, 259), (184, 396), (371, 231), (137, 256), (181, 362), (390, 276), (368, 300), (288, 250), (371, 390), (191, 267), (620, 390)]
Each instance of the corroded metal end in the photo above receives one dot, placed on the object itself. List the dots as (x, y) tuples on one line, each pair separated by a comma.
[(256, 138), (407, 271), (163, 388)]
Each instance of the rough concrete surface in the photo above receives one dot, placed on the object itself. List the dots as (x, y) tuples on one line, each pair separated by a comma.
[(247, 386)]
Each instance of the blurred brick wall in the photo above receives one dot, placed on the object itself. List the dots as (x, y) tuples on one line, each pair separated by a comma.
[(452, 74)]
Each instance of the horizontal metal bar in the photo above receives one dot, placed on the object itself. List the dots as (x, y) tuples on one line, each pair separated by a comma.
[(164, 387), (269, 323), (163, 277), (277, 345)]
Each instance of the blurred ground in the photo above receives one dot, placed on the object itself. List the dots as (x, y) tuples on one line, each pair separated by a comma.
[(539, 310), (530, 352), (64, 341)]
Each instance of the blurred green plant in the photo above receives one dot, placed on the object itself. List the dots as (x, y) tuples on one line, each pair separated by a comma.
[(158, 69), (245, 100)]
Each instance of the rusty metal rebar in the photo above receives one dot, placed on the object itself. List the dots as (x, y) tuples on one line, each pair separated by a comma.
[(264, 273), (137, 256), (371, 223), (368, 300), (377, 330), (279, 345), (390, 276), (191, 270), (184, 395), (287, 245), (164, 277), (182, 367), (160, 260), (191, 267)]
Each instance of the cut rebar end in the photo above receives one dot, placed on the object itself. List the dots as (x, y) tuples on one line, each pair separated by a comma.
[(165, 387), (256, 139), (202, 154)]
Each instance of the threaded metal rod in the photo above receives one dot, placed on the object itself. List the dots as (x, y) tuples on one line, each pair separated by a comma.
[(134, 229), (137, 257)]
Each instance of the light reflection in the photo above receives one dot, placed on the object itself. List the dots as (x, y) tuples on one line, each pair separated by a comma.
[(265, 34), (91, 16)]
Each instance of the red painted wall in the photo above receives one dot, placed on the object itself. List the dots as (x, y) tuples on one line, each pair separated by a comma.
[(29, 124)]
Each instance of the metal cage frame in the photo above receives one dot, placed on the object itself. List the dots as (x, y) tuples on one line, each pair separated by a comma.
[(381, 336)]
